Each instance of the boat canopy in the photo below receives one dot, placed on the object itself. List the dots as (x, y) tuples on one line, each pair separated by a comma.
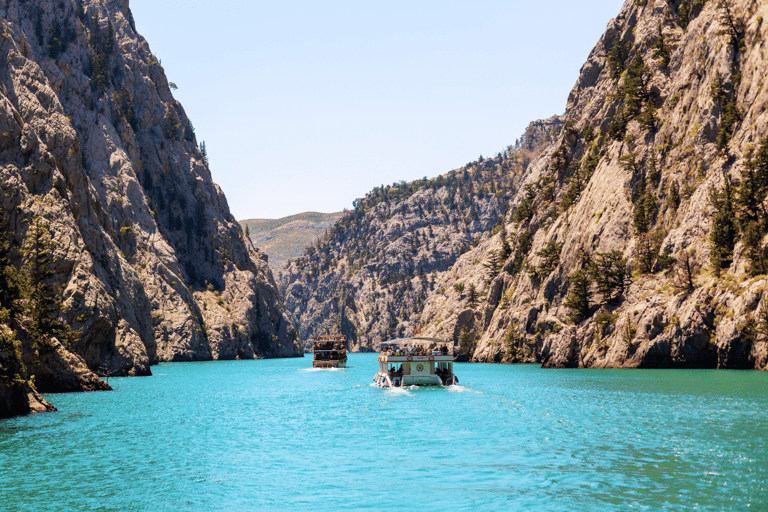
[(410, 341)]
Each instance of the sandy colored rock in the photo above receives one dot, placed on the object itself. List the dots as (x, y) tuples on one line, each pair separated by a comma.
[(111, 161)]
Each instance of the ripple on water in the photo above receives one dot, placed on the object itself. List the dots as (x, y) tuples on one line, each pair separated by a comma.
[(277, 434)]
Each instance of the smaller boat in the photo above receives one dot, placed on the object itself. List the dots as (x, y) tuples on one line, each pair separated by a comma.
[(330, 351), (415, 362)]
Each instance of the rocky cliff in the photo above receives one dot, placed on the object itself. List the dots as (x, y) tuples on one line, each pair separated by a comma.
[(370, 276), (638, 236), (150, 264), (635, 237)]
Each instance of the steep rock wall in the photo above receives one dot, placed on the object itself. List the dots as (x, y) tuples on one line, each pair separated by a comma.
[(152, 264), (689, 144)]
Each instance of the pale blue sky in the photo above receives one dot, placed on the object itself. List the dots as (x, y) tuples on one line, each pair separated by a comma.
[(305, 106)]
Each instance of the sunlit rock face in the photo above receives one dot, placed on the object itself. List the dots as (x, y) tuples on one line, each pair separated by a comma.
[(664, 158), (152, 265)]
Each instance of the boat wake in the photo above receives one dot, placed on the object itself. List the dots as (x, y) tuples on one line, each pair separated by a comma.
[(320, 369), (401, 391), (458, 388)]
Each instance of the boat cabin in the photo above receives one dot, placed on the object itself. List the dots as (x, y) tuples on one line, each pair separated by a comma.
[(329, 351), (415, 362)]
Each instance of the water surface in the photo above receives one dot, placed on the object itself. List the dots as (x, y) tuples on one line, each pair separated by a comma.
[(276, 435)]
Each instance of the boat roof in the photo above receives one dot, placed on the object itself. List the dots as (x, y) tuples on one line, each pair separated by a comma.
[(408, 341), (329, 337)]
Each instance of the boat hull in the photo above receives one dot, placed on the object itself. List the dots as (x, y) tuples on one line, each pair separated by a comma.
[(330, 364), (384, 380)]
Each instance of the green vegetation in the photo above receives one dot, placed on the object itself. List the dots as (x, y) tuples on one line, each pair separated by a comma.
[(617, 55), (611, 275), (579, 298), (687, 268), (101, 48), (12, 369), (29, 301), (633, 95), (723, 235), (661, 50), (124, 106), (472, 296), (493, 264), (688, 10), (551, 259), (43, 299)]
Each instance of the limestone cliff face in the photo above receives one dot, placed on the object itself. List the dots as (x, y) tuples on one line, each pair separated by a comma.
[(370, 276), (646, 156), (153, 265)]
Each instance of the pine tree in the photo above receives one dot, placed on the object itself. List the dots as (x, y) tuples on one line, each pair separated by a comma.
[(654, 175), (55, 41), (634, 86), (610, 274), (551, 256), (11, 365), (661, 50), (723, 235), (673, 197), (466, 343), (472, 296), (753, 243), (579, 299), (643, 214), (730, 117), (647, 251), (12, 369), (43, 299), (11, 281), (493, 264), (616, 57)]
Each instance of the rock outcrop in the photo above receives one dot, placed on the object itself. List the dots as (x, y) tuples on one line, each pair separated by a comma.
[(152, 265), (369, 277), (669, 108), (634, 237)]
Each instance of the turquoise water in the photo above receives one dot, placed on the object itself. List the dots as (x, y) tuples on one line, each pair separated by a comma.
[(274, 435)]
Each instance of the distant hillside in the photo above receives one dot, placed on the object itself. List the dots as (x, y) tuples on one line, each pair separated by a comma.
[(369, 276), (286, 238)]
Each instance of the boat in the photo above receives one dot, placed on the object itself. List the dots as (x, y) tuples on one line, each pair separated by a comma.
[(330, 351), (415, 362)]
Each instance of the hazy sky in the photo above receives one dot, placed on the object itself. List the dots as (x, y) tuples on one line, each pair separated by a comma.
[(305, 106)]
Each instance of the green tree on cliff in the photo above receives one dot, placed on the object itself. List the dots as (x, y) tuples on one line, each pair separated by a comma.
[(472, 296), (579, 299), (11, 365), (723, 235), (611, 274), (661, 50), (43, 299)]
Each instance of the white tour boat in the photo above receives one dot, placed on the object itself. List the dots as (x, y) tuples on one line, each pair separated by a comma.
[(329, 351), (411, 362)]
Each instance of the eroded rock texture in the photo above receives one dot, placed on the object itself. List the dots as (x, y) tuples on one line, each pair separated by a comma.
[(670, 106), (370, 276), (153, 265), (667, 165)]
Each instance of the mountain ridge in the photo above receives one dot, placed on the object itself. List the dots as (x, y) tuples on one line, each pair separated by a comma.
[(635, 238), (369, 275), (285, 238)]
